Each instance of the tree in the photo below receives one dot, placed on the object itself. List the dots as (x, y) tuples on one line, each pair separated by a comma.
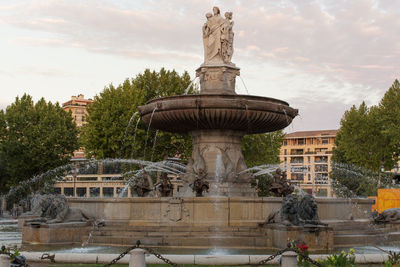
[(368, 139), (110, 131), (360, 140), (34, 138), (261, 149), (389, 115)]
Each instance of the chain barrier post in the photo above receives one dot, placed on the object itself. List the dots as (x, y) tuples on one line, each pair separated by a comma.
[(289, 259), (137, 258), (4, 260)]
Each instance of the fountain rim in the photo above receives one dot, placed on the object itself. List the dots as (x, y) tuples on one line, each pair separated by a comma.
[(248, 97)]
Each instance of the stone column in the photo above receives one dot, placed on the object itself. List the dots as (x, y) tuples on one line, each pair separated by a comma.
[(136, 258), (4, 261), (289, 259), (219, 154)]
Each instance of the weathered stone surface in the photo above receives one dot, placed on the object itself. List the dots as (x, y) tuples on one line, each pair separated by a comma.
[(217, 79)]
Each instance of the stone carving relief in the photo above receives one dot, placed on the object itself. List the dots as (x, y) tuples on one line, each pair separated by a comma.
[(176, 210), (281, 187), (387, 216), (294, 213), (143, 185), (218, 38), (55, 209)]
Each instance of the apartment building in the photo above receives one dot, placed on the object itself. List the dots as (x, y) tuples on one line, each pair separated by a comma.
[(77, 105), (306, 157)]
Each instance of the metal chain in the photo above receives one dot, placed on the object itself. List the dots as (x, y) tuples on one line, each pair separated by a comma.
[(122, 254), (270, 258), (12, 256), (167, 261), (280, 252)]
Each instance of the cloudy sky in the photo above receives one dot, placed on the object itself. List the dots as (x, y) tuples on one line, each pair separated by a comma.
[(320, 56)]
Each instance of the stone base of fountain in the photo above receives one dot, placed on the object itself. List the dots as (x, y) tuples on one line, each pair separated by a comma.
[(207, 222), (57, 233), (231, 189), (317, 237)]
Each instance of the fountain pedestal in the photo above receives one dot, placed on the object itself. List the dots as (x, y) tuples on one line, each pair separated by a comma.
[(218, 79), (217, 155), (217, 119)]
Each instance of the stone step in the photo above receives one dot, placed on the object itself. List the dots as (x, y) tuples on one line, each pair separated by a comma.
[(349, 225), (173, 234), (364, 239), (181, 228), (182, 242)]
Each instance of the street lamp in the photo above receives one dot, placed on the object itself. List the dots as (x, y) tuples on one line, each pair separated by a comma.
[(75, 172)]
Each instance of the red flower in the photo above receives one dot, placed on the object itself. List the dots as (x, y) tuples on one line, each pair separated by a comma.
[(302, 247)]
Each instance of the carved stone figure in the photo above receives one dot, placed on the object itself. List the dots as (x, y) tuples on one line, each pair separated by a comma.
[(165, 188), (218, 38), (288, 214), (55, 209), (199, 186), (308, 211), (281, 187), (227, 38), (143, 185), (387, 216)]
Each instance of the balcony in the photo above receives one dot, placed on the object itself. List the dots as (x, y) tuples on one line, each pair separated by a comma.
[(296, 152), (296, 161)]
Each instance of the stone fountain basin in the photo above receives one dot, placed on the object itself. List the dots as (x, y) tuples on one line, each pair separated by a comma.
[(249, 114)]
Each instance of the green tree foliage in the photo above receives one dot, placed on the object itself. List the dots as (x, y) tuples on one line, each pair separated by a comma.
[(361, 140), (108, 133), (389, 116), (261, 149), (34, 138), (369, 138)]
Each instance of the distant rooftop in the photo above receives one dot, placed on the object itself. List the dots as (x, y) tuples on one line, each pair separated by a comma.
[(304, 134), (78, 100)]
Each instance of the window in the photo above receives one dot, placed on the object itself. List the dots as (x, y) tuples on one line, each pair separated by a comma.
[(68, 191), (81, 191), (95, 191), (108, 192), (121, 192)]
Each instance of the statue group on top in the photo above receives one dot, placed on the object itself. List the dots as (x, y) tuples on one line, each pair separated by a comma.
[(218, 38)]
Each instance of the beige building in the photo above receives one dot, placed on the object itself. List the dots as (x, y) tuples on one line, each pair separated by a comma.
[(306, 157), (77, 105)]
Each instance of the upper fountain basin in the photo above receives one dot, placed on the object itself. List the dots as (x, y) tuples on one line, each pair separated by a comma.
[(249, 114)]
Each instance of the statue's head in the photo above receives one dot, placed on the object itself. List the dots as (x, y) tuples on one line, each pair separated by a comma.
[(228, 15), (208, 15), (216, 10)]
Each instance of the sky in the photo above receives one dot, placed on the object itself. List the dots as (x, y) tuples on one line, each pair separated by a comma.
[(321, 57)]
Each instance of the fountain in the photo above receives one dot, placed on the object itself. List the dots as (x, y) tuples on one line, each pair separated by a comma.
[(217, 207), (217, 118)]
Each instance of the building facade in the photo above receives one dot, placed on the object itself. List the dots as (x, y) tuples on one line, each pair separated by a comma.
[(306, 157), (77, 105)]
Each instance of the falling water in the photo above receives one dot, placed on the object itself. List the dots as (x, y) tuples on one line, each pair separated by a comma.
[(190, 84), (147, 133), (245, 87), (134, 137), (154, 146), (127, 130)]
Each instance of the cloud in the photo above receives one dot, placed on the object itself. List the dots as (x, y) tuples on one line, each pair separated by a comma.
[(341, 50)]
